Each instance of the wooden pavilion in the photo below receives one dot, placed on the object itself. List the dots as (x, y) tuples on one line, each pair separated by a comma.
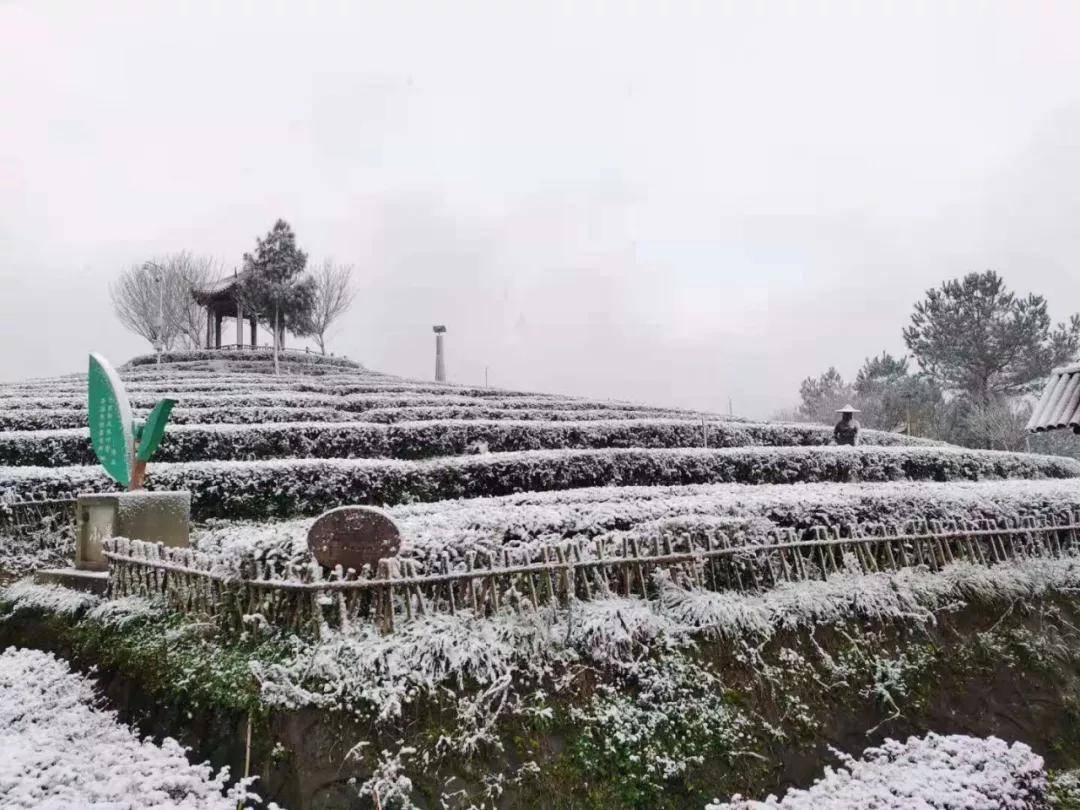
[(222, 301)]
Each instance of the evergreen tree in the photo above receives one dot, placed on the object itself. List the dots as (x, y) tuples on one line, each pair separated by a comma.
[(822, 396), (977, 339), (890, 395), (275, 286)]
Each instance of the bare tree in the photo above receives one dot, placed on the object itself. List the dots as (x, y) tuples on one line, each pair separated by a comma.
[(999, 424), (154, 299), (334, 294)]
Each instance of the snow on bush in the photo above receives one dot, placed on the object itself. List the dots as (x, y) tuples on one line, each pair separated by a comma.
[(367, 668), (262, 489), (612, 514), (257, 398), (116, 613), (27, 595), (56, 448), (58, 418), (59, 750), (364, 667), (910, 593), (247, 355), (69, 418), (356, 403), (521, 520), (428, 413), (950, 772)]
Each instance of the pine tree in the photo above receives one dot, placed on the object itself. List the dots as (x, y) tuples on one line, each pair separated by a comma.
[(275, 286), (977, 339)]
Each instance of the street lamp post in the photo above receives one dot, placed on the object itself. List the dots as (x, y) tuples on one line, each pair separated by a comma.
[(160, 278)]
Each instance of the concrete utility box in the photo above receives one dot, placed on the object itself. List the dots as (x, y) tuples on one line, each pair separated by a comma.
[(156, 517)]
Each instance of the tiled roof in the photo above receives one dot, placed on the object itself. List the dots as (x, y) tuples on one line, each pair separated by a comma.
[(222, 289), (1059, 405)]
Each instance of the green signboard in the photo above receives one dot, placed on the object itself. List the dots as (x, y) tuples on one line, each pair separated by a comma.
[(122, 446), (110, 420)]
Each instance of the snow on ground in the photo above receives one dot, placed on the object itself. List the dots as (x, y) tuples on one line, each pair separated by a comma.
[(950, 772), (59, 750)]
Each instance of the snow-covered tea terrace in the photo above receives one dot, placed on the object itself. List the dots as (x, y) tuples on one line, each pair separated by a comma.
[(610, 605)]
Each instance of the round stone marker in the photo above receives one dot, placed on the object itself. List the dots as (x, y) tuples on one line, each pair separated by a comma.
[(353, 536)]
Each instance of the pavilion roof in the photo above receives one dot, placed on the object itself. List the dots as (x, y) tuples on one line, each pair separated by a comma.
[(221, 291)]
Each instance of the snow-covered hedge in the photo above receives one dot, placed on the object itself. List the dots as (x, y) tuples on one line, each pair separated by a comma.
[(583, 514), (354, 403), (239, 383), (950, 772), (260, 355), (238, 489), (69, 418), (55, 448), (612, 514), (60, 418), (257, 398), (436, 413), (59, 750)]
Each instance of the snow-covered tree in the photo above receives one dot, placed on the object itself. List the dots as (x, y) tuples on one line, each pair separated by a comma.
[(334, 294), (821, 396), (978, 340), (890, 395), (275, 286), (153, 299)]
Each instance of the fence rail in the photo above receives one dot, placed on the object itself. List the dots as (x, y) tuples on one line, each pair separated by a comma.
[(304, 597), (30, 517)]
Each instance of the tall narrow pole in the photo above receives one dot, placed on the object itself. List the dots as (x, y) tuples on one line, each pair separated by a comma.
[(440, 363), (159, 277), (160, 313)]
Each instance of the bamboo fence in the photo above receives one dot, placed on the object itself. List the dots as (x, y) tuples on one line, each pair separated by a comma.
[(306, 598), (37, 518)]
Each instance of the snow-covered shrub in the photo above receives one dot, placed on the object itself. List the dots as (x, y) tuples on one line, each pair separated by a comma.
[(68, 418), (612, 513), (368, 671), (658, 721), (908, 594), (59, 750), (309, 439), (432, 413), (27, 595), (116, 613), (296, 487), (946, 772), (262, 355)]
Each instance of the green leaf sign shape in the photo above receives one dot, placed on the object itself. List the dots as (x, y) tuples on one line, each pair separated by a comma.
[(109, 413), (154, 429)]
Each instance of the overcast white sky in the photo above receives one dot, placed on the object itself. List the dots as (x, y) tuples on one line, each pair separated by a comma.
[(670, 202)]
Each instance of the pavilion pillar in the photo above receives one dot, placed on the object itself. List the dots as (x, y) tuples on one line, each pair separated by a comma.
[(254, 343), (209, 328), (217, 330), (239, 325)]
